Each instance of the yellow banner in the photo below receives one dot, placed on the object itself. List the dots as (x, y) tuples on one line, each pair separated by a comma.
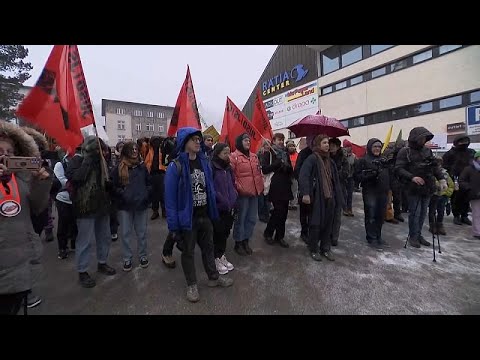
[(213, 132)]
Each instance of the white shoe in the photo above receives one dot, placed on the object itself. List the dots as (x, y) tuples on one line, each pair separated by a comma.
[(225, 262), (222, 269)]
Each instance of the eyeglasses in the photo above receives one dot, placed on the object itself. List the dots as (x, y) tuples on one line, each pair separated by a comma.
[(195, 139)]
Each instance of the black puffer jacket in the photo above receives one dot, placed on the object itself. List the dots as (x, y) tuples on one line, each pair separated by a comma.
[(470, 182), (373, 178), (342, 164), (413, 161), (458, 157)]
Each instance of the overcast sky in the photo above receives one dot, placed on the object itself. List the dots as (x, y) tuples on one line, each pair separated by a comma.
[(154, 74)]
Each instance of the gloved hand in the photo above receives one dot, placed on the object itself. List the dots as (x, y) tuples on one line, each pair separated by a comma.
[(443, 185)]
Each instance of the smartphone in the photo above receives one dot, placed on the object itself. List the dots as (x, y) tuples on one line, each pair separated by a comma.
[(17, 163)]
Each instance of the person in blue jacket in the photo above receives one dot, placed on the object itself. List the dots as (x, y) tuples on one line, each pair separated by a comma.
[(191, 207)]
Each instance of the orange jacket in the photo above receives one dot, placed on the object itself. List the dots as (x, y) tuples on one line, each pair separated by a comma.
[(293, 158), (248, 176), (149, 160)]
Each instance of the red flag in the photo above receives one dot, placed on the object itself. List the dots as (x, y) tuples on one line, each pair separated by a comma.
[(59, 102), (260, 118), (235, 124), (185, 113), (358, 150)]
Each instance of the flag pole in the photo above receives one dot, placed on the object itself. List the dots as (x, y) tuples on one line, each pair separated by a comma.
[(103, 160)]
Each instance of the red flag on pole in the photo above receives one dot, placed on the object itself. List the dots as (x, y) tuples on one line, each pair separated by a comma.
[(185, 113), (59, 102), (235, 124), (260, 118)]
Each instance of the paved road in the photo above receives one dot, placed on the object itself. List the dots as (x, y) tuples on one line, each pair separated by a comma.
[(284, 281)]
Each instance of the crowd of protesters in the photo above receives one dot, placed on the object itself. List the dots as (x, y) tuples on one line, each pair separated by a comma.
[(207, 191)]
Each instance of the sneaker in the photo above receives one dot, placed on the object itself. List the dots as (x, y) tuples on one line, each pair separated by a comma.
[(106, 270), (316, 256), (114, 237), (414, 242), (247, 248), (423, 241), (476, 237), (144, 262), (346, 213), (465, 220), (283, 243), (350, 213), (221, 268), (399, 218), (85, 280), (33, 300), (222, 281), (292, 207), (169, 261), (155, 215), (392, 221), (192, 293), (328, 255), (63, 254), (225, 262), (127, 265), (239, 249)]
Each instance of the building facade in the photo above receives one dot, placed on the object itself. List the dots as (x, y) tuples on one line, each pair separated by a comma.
[(132, 121), (371, 87)]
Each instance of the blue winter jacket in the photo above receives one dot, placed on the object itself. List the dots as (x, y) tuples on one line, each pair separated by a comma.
[(178, 189)]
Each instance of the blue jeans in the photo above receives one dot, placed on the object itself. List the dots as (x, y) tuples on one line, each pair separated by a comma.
[(417, 211), (92, 228), (246, 217), (128, 221), (375, 205)]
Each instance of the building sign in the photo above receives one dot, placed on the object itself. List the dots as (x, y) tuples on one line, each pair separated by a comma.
[(438, 142), (284, 79), (285, 108), (473, 120), (456, 127)]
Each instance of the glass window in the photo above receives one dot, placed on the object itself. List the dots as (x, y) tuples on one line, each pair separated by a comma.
[(341, 85), (475, 96), (137, 113), (423, 108), (398, 65), (327, 90), (379, 72), (330, 60), (422, 56), (160, 128), (443, 49), (120, 111), (378, 48), (149, 113), (161, 115), (359, 121), (451, 101), (121, 125), (138, 127), (351, 54), (356, 80), (400, 113)]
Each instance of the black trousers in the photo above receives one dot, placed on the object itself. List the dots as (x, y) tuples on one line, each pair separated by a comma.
[(375, 205), (337, 222), (305, 214), (221, 232), (277, 220), (323, 234), (67, 225), (201, 233), (168, 245), (158, 188), (460, 203), (397, 200), (10, 304)]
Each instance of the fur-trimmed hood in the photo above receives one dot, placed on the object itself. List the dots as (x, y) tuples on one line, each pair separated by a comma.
[(23, 143), (40, 140)]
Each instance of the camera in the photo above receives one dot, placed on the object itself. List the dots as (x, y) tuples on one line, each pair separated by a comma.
[(429, 162), (383, 162)]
